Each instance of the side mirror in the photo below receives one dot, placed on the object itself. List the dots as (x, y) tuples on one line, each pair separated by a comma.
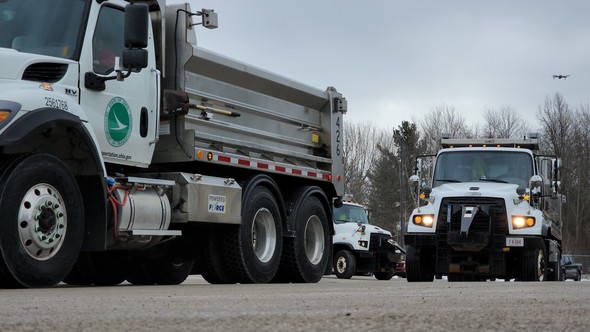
[(536, 181), (425, 194), (135, 58), (136, 26)]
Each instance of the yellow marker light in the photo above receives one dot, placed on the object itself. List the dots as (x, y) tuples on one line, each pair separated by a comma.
[(315, 137), (46, 86), (3, 115), (530, 222), (200, 155)]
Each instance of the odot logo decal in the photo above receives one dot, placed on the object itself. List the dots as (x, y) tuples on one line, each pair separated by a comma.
[(118, 122)]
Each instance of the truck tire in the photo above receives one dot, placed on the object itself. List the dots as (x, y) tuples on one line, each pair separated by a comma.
[(534, 263), (211, 259), (419, 264), (255, 246), (344, 264), (578, 276), (306, 256), (555, 270), (42, 226)]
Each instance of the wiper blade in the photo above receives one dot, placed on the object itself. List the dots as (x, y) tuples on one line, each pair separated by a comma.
[(449, 180), (493, 180)]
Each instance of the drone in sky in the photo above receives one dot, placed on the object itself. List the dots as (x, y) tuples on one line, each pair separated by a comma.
[(560, 76)]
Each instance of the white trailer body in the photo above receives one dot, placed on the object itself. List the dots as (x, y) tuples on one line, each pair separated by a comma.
[(492, 209), (129, 153), (361, 248)]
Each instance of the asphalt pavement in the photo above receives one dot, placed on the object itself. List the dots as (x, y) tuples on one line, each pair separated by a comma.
[(358, 304)]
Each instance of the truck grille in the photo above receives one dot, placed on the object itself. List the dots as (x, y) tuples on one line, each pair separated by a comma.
[(492, 228), (376, 240)]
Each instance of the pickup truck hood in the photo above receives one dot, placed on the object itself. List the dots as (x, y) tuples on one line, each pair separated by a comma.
[(351, 229), (14, 62)]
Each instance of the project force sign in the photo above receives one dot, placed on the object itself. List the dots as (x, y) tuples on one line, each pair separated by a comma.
[(118, 122)]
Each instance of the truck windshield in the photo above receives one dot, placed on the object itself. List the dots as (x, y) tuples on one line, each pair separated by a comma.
[(46, 27), (491, 166), (350, 213)]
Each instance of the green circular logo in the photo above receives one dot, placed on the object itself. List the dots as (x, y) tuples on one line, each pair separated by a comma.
[(118, 122)]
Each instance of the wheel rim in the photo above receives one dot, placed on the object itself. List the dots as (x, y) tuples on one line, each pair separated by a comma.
[(314, 240), (264, 235), (540, 265), (42, 221), (341, 264)]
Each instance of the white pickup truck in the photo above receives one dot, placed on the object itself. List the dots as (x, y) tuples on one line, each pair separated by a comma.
[(361, 248)]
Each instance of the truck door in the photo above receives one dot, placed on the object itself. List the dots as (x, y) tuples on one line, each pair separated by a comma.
[(124, 114)]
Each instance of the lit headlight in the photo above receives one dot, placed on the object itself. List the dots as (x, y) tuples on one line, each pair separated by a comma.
[(522, 222), (425, 220)]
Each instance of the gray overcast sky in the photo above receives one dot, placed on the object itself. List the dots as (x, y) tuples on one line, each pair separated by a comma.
[(397, 60)]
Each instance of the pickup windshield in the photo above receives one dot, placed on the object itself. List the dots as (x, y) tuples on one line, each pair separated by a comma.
[(45, 27), (489, 166), (350, 213)]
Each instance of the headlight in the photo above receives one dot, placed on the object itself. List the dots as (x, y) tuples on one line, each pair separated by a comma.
[(426, 220), (522, 222)]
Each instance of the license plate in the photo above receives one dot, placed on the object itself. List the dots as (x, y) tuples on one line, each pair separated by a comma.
[(515, 242)]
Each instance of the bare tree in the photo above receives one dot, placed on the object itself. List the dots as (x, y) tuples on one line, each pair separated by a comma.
[(576, 180), (443, 120), (566, 134), (504, 123), (556, 119), (360, 141)]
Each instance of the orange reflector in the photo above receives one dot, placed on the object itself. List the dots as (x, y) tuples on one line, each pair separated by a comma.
[(46, 86), (530, 221), (200, 154)]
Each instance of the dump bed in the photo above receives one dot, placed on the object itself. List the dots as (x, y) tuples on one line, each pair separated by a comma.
[(241, 111)]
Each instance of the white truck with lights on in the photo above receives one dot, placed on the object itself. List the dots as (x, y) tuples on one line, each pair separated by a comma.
[(492, 210), (361, 248), (129, 153)]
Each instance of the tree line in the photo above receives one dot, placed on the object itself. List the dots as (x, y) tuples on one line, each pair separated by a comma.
[(379, 162)]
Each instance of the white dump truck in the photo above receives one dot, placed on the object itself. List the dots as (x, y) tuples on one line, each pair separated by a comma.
[(129, 153), (361, 248), (490, 209)]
